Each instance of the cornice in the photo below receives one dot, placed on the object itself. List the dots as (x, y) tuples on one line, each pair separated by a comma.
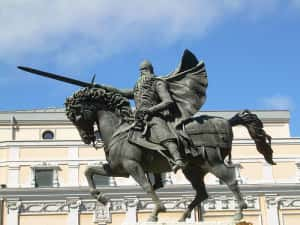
[(42, 143), (118, 192), (57, 116), (69, 143)]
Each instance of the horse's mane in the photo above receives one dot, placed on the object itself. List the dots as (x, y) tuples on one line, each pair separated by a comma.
[(98, 98)]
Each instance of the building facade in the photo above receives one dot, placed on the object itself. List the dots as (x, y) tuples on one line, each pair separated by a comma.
[(42, 163)]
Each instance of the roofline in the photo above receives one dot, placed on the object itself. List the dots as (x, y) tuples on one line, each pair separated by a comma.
[(57, 116)]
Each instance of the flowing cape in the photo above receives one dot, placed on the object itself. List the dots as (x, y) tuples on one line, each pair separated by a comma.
[(187, 86)]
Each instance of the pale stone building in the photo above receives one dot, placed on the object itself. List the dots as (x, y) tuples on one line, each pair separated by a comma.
[(42, 161)]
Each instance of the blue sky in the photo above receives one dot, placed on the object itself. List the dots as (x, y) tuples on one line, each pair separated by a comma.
[(251, 48)]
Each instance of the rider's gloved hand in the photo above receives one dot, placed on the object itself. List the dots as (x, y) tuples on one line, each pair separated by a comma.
[(142, 114)]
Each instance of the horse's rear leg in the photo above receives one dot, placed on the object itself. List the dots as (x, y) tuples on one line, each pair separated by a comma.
[(137, 172), (196, 177), (227, 175)]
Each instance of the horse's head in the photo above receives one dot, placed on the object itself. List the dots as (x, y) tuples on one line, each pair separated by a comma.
[(83, 114), (83, 105), (84, 121)]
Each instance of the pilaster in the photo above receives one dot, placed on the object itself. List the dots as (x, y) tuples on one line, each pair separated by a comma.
[(131, 210), (272, 209), (267, 173), (74, 208), (13, 209), (13, 169)]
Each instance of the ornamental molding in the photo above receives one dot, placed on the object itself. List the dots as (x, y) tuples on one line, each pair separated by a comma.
[(223, 203), (13, 205), (73, 203), (283, 202), (41, 207), (102, 212), (45, 165), (290, 202)]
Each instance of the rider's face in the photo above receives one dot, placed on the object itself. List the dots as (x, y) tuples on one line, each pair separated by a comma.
[(144, 71)]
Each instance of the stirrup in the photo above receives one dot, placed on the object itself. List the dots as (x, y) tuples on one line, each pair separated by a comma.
[(179, 164)]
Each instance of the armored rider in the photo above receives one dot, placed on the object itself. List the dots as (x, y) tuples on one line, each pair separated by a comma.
[(153, 101)]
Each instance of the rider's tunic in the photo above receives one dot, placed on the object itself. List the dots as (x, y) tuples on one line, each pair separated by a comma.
[(146, 96)]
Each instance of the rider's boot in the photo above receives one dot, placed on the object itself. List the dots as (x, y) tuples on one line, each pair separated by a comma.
[(173, 149)]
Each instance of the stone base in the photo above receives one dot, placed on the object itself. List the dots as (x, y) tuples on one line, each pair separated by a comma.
[(195, 223)]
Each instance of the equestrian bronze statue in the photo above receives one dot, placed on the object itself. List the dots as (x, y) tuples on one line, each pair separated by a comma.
[(161, 134)]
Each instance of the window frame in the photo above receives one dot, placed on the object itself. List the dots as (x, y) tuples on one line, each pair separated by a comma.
[(50, 132), (45, 166)]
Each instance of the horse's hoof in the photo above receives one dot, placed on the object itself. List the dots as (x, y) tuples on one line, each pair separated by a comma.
[(184, 216), (152, 219), (181, 220), (238, 216), (94, 193), (102, 199), (161, 208), (244, 205)]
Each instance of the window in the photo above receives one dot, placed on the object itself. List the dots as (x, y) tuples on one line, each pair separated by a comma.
[(48, 135), (101, 180), (43, 177)]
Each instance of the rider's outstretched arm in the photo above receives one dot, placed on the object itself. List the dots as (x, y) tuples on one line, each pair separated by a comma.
[(127, 93)]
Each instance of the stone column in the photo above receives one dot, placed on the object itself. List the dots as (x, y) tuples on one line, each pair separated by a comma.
[(272, 209), (13, 208), (237, 170), (13, 176), (55, 176), (73, 156), (14, 168), (1, 210), (131, 210), (298, 172), (74, 208), (73, 174)]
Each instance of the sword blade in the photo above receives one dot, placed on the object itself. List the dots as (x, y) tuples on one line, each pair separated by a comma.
[(55, 76)]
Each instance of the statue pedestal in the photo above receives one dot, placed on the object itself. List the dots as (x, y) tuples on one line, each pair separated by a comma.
[(195, 223)]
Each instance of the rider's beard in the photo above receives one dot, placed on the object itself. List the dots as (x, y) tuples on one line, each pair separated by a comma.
[(144, 76)]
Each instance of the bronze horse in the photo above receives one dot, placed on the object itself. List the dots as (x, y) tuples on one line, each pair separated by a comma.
[(112, 114)]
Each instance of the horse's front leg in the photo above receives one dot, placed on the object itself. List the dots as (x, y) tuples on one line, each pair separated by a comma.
[(137, 172), (103, 170)]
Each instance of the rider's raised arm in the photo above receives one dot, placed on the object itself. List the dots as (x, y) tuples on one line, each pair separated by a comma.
[(164, 95), (127, 93)]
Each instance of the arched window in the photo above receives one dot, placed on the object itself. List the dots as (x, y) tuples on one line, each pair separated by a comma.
[(48, 135)]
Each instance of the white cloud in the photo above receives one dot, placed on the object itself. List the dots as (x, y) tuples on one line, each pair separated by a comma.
[(97, 28), (278, 102), (295, 4)]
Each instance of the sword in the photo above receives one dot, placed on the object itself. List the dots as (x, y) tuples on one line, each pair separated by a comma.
[(61, 78)]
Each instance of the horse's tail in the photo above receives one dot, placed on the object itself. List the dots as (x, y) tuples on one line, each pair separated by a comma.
[(255, 128)]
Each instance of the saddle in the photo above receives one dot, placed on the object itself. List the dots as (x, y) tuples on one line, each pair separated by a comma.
[(197, 135)]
